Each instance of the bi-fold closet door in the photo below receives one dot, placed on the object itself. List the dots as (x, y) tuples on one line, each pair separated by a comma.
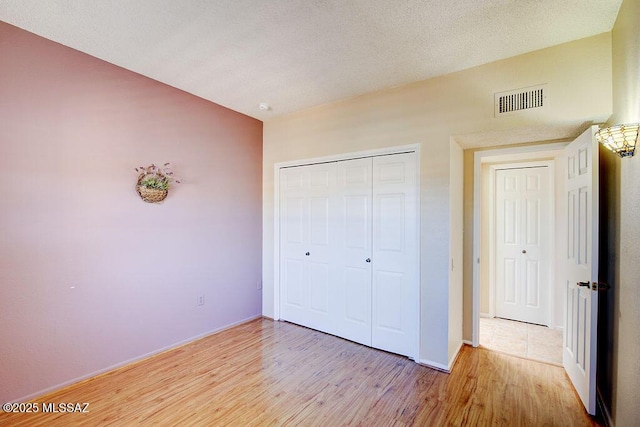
[(348, 250)]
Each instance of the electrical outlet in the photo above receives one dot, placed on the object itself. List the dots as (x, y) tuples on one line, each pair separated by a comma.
[(259, 285), (200, 300)]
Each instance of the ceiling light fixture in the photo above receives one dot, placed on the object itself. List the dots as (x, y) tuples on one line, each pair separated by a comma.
[(264, 106), (621, 139)]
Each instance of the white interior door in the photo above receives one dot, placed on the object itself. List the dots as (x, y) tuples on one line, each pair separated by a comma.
[(523, 252), (581, 267), (395, 291), (352, 287), (306, 239)]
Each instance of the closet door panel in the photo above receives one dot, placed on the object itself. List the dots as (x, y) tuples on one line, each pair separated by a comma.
[(293, 213), (390, 221), (395, 289), (389, 300), (352, 289), (319, 287), (306, 199), (294, 278), (357, 286), (320, 243)]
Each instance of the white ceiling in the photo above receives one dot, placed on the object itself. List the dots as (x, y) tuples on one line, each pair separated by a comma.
[(297, 54)]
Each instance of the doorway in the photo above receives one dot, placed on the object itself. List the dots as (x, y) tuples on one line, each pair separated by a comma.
[(529, 340), (518, 296), (575, 279)]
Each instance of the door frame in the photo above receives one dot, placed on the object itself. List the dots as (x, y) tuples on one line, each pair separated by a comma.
[(508, 154), (550, 164), (410, 148)]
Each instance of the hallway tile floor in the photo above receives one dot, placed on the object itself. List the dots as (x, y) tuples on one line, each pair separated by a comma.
[(522, 339)]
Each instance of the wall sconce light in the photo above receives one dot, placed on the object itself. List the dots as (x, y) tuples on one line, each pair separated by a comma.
[(621, 139)]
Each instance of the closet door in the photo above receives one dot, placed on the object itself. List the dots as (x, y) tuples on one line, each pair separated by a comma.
[(352, 289), (307, 199), (395, 290), (348, 250)]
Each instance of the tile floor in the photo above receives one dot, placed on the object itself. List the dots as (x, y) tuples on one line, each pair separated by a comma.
[(522, 339)]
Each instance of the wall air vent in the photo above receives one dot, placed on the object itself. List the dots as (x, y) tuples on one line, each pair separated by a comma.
[(513, 101)]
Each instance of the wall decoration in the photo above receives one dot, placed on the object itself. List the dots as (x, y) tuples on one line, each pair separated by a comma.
[(154, 181)]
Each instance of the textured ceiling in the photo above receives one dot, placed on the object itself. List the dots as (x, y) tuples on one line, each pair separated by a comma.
[(297, 54)]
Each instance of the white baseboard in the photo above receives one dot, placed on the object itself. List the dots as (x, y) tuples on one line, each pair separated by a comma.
[(486, 315), (454, 357), (466, 342), (132, 360), (440, 366), (434, 365)]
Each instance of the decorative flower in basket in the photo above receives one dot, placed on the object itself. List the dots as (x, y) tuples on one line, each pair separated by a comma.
[(153, 182)]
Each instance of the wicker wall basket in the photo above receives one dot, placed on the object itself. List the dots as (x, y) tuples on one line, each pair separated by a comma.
[(150, 195)]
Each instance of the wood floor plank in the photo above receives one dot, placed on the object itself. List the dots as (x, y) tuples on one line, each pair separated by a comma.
[(266, 373)]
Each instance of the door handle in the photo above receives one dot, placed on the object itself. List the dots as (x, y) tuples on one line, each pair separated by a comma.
[(307, 253), (595, 286), (368, 260)]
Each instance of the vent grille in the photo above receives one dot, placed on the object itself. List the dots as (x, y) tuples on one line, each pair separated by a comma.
[(521, 99)]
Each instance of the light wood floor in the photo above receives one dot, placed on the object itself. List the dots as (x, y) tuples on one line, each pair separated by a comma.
[(274, 373)]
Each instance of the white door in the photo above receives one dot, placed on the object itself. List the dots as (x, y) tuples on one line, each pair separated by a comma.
[(352, 287), (305, 253), (395, 290), (581, 267), (523, 235)]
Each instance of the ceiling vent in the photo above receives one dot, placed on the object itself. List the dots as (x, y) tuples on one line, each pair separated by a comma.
[(513, 101)]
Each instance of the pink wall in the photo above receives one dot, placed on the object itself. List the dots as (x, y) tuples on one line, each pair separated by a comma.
[(90, 275)]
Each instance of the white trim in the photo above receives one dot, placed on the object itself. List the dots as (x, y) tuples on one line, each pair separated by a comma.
[(410, 148), (455, 355), (492, 233), (134, 359), (487, 315), (492, 242), (418, 332), (276, 242), (445, 368), (479, 157), (435, 365)]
